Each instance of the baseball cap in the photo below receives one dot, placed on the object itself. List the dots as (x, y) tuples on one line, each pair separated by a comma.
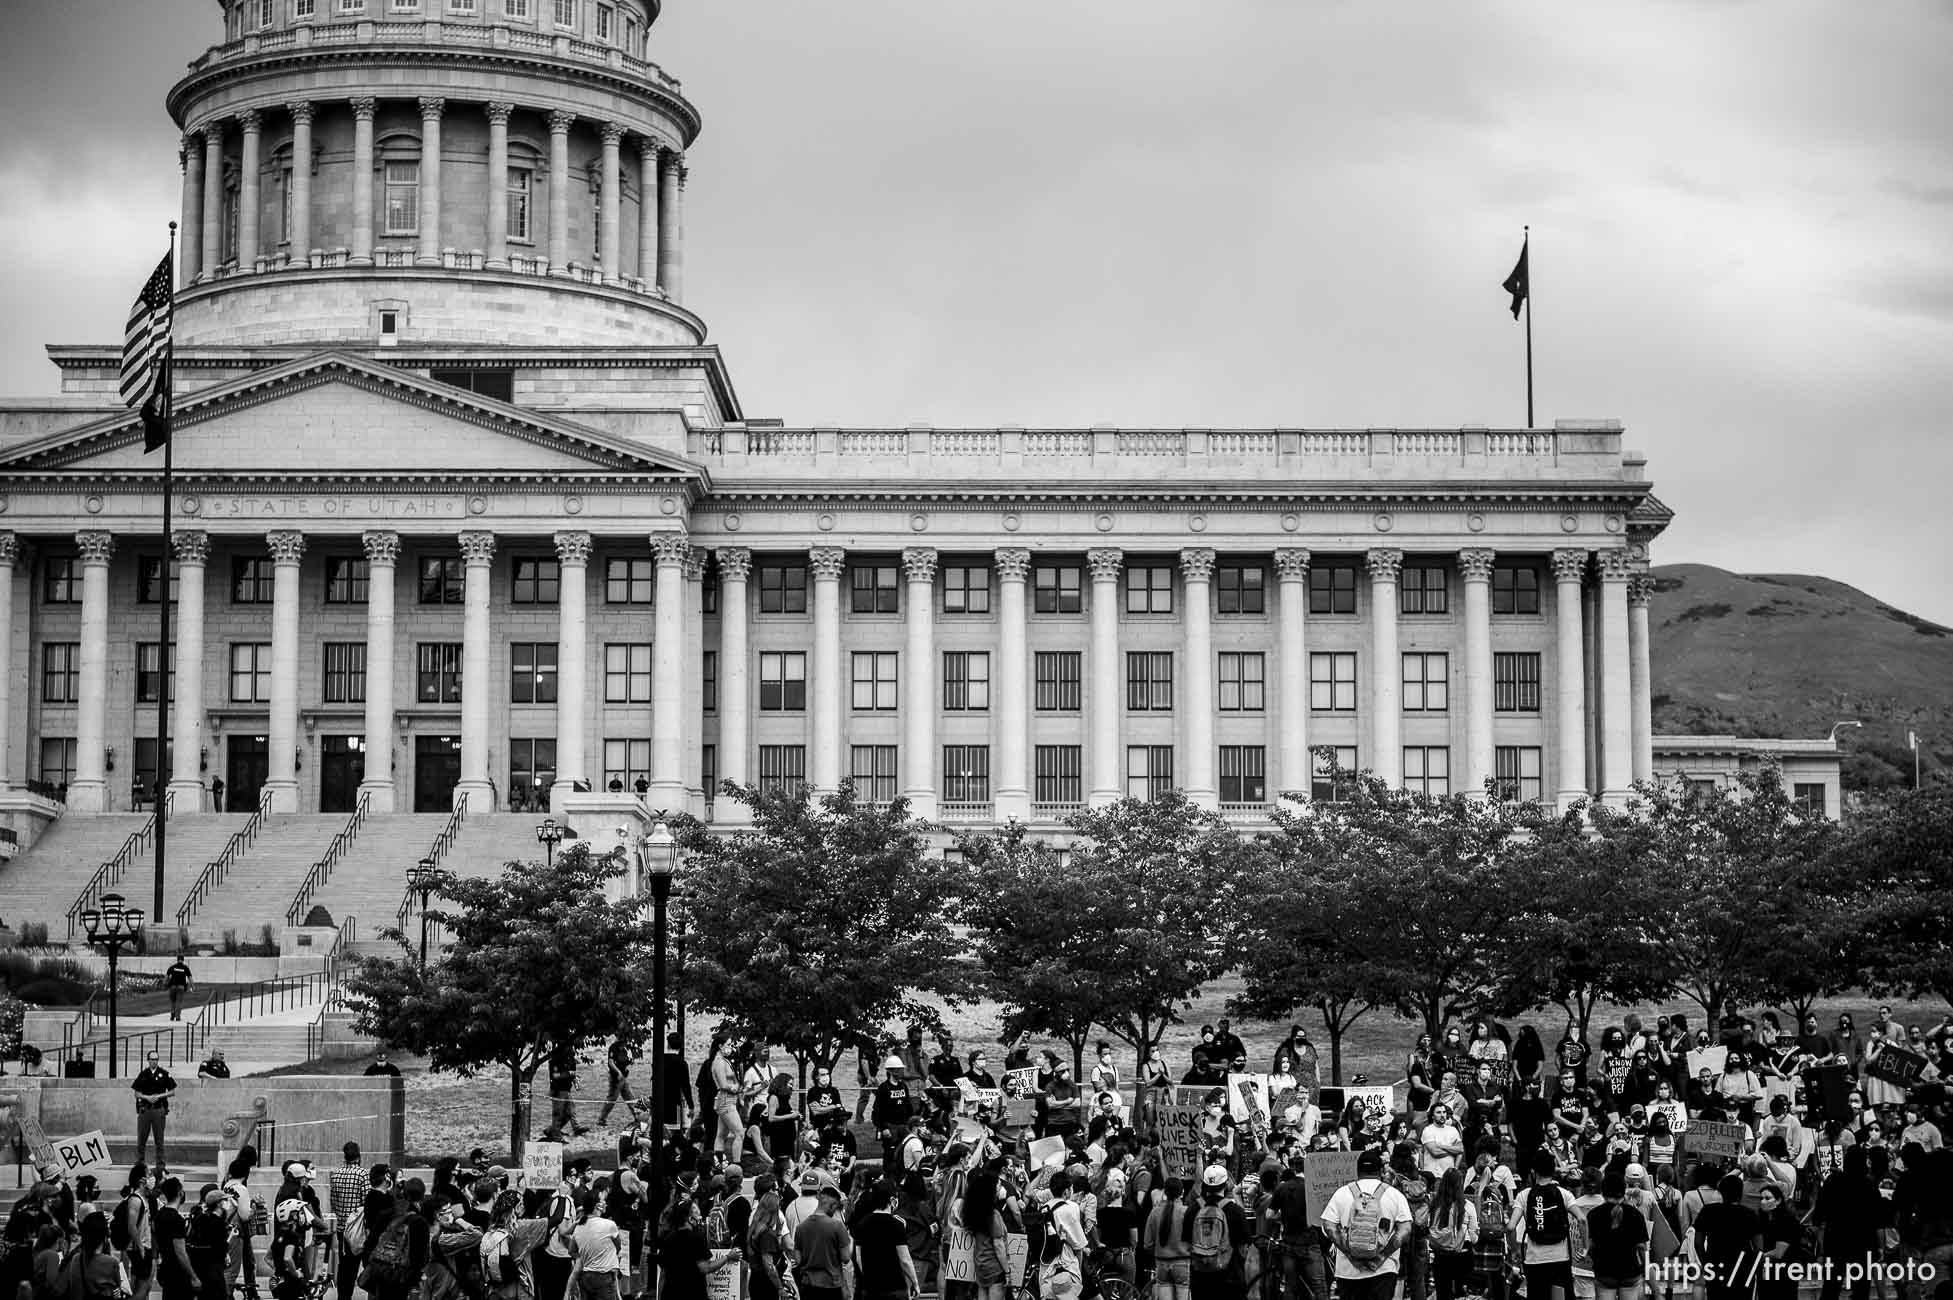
[(810, 1181), (297, 1169), (1368, 1161), (1215, 1176)]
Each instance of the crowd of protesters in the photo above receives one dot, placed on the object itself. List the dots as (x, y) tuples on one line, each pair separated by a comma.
[(1501, 1167)]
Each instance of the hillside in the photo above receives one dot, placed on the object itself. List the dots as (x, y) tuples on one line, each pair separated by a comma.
[(1788, 655)]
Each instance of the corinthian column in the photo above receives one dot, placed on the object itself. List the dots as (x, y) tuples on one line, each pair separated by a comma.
[(1103, 691), (431, 109), (647, 216), (186, 772), (9, 556), (190, 261), (1476, 566), (281, 782), (827, 563), (382, 554), (1197, 567), (560, 123), (1294, 778), (1641, 589), (300, 234), (498, 193), (1012, 718), (1386, 669), (478, 553), (248, 201), (572, 664), (694, 651), (735, 568), (1570, 676), (88, 791), (671, 226), (610, 225), (919, 701), (671, 549), (213, 202), (362, 252), (1617, 735)]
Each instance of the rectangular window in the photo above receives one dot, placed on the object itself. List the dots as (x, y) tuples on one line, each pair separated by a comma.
[(57, 760), (517, 9), (872, 589), (347, 580), (1058, 673), (1241, 589), (251, 673), (252, 580), (1332, 683), (873, 770), (783, 682), (520, 182), (782, 768), (966, 681), (1149, 681), (1516, 769), (708, 771), (1332, 770), (401, 186), (352, 6), (284, 205), (1427, 683), (264, 13), (629, 582), (874, 681), (1149, 771), (1057, 589), (783, 588), (566, 13), (345, 672), (627, 673), (1427, 770), (1515, 681), (536, 581), (708, 682), (149, 580), (443, 580), (304, 8), (966, 589), (60, 581), (400, 5), (708, 593), (1243, 774), (532, 770), (1515, 589), (61, 672), (461, 6), (627, 765), (1422, 589), (147, 661), (630, 34), (606, 21), (1060, 773), (1149, 589), (532, 672), (1808, 796), (966, 773), (437, 672), (1241, 682), (1332, 589)]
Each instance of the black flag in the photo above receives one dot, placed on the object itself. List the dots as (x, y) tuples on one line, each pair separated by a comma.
[(1518, 284)]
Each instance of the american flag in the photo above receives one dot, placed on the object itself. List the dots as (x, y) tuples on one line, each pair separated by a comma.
[(145, 355)]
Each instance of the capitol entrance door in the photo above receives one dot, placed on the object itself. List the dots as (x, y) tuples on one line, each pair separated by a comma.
[(247, 762), (437, 770)]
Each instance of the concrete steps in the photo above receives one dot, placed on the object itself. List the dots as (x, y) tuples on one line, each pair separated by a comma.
[(42, 883), (261, 883), (370, 881)]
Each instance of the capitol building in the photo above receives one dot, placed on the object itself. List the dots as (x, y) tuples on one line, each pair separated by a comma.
[(468, 511)]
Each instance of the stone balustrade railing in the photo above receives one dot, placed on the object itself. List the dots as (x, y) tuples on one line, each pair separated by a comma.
[(452, 259)]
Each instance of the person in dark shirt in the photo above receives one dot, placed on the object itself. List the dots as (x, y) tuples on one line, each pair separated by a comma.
[(175, 1272), (1227, 1044), (153, 1088), (1618, 1239), (176, 980), (617, 1068), (1851, 1212), (1529, 1116), (822, 1102), (884, 1269), (1726, 1239), (683, 1257), (382, 1066)]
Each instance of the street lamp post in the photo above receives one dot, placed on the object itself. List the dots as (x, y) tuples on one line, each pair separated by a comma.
[(421, 878), (549, 834), (113, 927), (660, 863)]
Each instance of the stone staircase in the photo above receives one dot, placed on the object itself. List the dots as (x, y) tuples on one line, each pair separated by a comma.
[(260, 885), (370, 881), (42, 883)]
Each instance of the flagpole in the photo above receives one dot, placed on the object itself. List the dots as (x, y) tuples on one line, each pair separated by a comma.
[(161, 786), (1528, 246)]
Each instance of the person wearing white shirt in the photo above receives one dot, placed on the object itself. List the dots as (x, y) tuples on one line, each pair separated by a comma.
[(1548, 1264), (1367, 1277), (1440, 1145)]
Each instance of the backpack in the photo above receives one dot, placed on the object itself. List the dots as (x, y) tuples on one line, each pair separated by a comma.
[(1493, 1208), (389, 1265), (353, 1235), (497, 1260), (1451, 1238), (1546, 1216), (1363, 1236), (1212, 1246), (122, 1234), (209, 1229), (718, 1226)]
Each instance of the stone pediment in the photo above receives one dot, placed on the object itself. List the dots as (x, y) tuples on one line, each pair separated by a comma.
[(337, 415)]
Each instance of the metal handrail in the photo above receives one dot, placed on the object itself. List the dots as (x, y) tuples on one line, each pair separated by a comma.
[(315, 1032), (213, 874), (267, 997), (112, 871), (321, 871), (437, 854)]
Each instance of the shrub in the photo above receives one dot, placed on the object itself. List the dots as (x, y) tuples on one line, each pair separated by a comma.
[(13, 1014), (54, 991), (33, 934), (229, 947), (319, 916), (268, 940)]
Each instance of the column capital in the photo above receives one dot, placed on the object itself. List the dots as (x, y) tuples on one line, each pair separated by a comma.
[(250, 120), (1013, 564), (1292, 564), (1569, 565), (95, 547), (287, 545), (364, 107), (1105, 562), (560, 122), (919, 564), (694, 566), (670, 546), (1197, 564), (192, 144), (9, 549), (680, 168), (1476, 563), (827, 562), (381, 547), (572, 548), (1613, 564), (498, 111), (1641, 590), (191, 547), (477, 546), (612, 133), (1385, 565), (735, 563), (301, 111), (648, 150), (431, 107)]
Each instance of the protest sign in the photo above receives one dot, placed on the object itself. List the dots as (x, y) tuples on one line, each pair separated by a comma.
[(1024, 1079), (965, 1089), (1712, 1059), (1020, 1112), (1678, 1115), (1322, 1173), (83, 1154), (1896, 1065), (1377, 1103), (1712, 1140), (1501, 1074), (1195, 1094), (968, 1131), (1048, 1153), (726, 1283), (1179, 1129), (1017, 1258), (542, 1164), (1775, 1087), (1247, 1100), (959, 1254), (991, 1097)]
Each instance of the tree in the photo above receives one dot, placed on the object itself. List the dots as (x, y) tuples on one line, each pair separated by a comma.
[(1905, 849), (540, 959), (1021, 909), (825, 921)]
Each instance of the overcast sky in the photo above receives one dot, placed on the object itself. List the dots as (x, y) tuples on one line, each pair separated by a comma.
[(1241, 213)]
